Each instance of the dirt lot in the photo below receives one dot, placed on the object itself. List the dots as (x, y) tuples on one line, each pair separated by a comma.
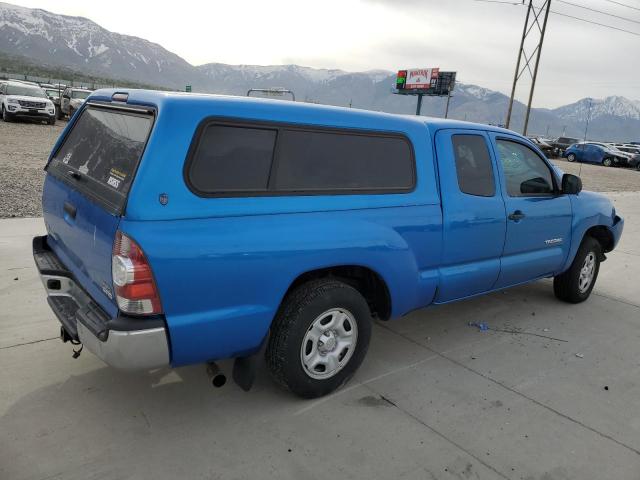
[(24, 148)]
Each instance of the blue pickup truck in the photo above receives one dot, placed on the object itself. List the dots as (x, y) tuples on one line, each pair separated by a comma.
[(186, 229)]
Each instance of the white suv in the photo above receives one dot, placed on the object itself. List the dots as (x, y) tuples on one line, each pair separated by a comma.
[(25, 100)]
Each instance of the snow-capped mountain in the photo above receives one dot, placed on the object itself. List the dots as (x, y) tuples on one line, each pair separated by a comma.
[(82, 45), (611, 106), (219, 72)]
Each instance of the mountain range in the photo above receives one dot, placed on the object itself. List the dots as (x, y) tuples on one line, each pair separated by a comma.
[(82, 45)]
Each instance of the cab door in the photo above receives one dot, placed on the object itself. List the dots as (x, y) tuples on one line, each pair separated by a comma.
[(539, 217), (474, 220)]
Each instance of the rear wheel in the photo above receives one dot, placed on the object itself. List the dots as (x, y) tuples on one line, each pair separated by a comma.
[(575, 285), (319, 337), (571, 157), (607, 162)]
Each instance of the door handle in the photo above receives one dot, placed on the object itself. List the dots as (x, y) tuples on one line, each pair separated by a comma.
[(517, 216), (70, 210)]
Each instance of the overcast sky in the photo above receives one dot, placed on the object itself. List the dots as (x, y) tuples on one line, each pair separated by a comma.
[(477, 39)]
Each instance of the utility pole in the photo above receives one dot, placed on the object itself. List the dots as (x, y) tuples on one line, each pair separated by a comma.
[(586, 127), (419, 107), (446, 111), (531, 20)]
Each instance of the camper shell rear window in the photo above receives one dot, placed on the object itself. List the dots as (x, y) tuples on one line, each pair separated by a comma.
[(100, 155)]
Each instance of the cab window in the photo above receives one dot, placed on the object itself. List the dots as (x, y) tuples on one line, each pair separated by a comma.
[(526, 174), (473, 165)]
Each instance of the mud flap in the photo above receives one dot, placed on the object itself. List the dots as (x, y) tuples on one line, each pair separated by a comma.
[(245, 368)]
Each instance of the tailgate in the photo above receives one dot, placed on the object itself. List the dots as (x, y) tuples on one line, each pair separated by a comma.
[(86, 188)]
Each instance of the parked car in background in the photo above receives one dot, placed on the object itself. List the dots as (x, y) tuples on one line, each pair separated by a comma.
[(543, 144), (590, 153), (24, 100), (54, 94), (236, 223), (633, 150), (620, 158), (560, 144), (72, 99), (629, 148)]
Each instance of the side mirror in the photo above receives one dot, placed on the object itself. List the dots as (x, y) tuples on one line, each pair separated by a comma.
[(571, 184)]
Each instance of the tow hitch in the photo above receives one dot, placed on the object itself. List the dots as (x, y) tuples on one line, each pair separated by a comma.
[(66, 337)]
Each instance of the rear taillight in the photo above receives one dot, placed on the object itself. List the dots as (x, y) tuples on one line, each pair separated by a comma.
[(135, 288)]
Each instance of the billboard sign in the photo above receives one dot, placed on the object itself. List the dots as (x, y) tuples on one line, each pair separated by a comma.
[(421, 78)]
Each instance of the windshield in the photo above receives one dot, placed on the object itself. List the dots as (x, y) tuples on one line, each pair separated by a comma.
[(52, 93), (80, 94), (25, 90)]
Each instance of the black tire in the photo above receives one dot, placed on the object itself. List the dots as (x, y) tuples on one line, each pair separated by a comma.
[(607, 162), (566, 286), (59, 114), (571, 157), (52, 121), (300, 310), (6, 116)]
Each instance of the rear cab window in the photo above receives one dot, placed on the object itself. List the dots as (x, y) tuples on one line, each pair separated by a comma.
[(100, 155), (473, 165)]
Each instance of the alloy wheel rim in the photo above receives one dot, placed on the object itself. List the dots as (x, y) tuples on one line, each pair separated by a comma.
[(586, 272), (329, 343)]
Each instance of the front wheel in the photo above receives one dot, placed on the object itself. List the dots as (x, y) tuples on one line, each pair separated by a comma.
[(575, 285), (6, 116), (571, 157), (607, 162), (319, 337)]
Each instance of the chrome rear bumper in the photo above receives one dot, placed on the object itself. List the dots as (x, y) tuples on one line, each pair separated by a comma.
[(123, 342)]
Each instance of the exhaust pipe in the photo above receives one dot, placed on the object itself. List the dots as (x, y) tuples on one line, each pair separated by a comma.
[(216, 377)]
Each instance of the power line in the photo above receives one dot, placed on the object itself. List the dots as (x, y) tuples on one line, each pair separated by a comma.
[(612, 27), (637, 34), (599, 11), (623, 5), (499, 1)]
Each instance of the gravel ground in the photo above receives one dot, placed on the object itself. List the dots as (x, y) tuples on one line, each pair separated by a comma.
[(24, 148)]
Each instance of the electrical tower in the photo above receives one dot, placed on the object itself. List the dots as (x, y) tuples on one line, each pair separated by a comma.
[(534, 15)]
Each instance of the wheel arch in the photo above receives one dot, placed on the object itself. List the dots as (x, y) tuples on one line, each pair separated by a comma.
[(603, 235), (371, 285)]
